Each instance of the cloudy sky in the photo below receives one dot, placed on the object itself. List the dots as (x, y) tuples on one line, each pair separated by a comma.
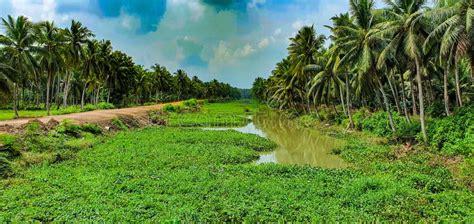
[(231, 40)]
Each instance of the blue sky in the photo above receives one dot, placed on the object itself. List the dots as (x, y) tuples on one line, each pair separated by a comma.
[(231, 40)]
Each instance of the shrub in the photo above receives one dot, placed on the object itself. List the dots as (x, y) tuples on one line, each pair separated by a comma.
[(68, 128), (169, 108), (453, 134), (191, 103), (5, 167), (378, 123), (88, 107), (91, 128), (8, 146), (119, 124), (105, 106)]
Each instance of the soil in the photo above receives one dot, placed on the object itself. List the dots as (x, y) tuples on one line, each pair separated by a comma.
[(97, 117)]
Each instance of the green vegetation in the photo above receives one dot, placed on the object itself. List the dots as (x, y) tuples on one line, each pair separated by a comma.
[(169, 174), (408, 59), (231, 114), (40, 62), (186, 174), (10, 114)]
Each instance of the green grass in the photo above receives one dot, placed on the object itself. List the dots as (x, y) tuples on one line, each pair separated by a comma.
[(229, 114), (192, 175), (9, 114), (169, 174)]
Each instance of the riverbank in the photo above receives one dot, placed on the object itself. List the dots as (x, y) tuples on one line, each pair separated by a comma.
[(174, 173)]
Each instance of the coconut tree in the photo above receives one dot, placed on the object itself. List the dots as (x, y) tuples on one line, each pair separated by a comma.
[(303, 50), (405, 31), (90, 67), (360, 49), (50, 58), (455, 32), (76, 37), (18, 44)]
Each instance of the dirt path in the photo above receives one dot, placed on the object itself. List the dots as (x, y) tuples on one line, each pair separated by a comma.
[(95, 116)]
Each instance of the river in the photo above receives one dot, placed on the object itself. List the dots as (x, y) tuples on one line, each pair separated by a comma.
[(296, 145)]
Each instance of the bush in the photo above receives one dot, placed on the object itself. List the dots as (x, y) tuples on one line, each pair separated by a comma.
[(169, 108), (91, 128), (88, 107), (105, 106), (453, 134), (5, 167), (68, 128), (119, 124), (191, 103), (8, 146), (378, 123)]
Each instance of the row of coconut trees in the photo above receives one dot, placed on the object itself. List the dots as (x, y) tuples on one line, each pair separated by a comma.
[(404, 57), (42, 63)]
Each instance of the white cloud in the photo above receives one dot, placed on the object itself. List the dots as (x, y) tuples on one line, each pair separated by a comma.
[(35, 10), (263, 43)]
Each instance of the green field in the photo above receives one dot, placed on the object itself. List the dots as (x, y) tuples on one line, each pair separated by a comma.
[(191, 175)]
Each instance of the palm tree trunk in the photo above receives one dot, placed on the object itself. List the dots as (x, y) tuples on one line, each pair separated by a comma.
[(387, 105), (97, 95), (48, 90), (66, 89), (404, 99), (446, 95), (472, 68), (394, 93), (421, 102), (458, 86), (15, 100), (341, 95), (348, 101), (83, 95), (413, 98)]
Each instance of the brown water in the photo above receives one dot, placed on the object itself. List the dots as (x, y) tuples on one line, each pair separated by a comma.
[(296, 145)]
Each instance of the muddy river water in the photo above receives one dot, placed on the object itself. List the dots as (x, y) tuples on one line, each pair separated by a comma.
[(296, 145)]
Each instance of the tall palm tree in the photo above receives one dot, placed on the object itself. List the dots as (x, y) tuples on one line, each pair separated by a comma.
[(455, 32), (303, 50), (50, 59), (182, 82), (360, 47), (338, 33), (405, 31), (76, 36), (163, 79), (18, 42), (90, 67)]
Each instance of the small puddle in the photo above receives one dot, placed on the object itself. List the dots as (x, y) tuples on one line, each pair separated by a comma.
[(296, 145)]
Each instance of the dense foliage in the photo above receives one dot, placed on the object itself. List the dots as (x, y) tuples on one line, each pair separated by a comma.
[(40, 62), (412, 60)]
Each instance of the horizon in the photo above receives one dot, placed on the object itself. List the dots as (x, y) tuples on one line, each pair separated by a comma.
[(231, 41)]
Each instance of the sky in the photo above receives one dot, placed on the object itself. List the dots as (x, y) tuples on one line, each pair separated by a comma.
[(233, 41)]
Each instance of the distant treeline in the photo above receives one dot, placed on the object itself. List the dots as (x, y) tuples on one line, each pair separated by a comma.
[(43, 65)]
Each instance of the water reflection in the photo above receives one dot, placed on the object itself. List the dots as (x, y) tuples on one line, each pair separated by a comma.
[(296, 145)]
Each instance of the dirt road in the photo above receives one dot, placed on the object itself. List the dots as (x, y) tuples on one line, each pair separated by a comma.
[(95, 116)]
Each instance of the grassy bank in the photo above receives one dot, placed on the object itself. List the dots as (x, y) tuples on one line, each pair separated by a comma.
[(171, 174), (34, 113)]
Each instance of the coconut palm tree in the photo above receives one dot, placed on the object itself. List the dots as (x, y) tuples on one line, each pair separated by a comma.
[(303, 50), (360, 47), (18, 45), (50, 58), (455, 32), (90, 67), (404, 29), (76, 36)]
